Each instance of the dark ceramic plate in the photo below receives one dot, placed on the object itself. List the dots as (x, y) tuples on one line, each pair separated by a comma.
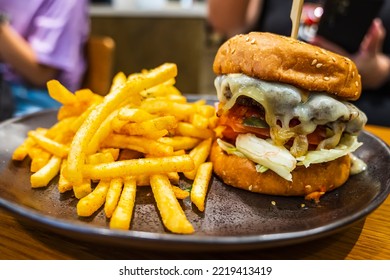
[(233, 219)]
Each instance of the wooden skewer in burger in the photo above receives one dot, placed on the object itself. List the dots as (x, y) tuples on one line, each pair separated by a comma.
[(288, 126)]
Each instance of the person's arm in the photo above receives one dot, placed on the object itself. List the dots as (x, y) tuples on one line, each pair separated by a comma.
[(16, 51), (231, 17), (373, 64)]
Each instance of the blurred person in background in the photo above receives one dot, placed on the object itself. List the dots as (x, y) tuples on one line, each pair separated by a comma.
[(231, 17), (41, 40)]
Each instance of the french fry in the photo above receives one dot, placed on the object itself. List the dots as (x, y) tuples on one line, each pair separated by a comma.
[(165, 89), (173, 177), (38, 162), (118, 81), (113, 151), (90, 203), (142, 133), (179, 153), (201, 185), (199, 121), (132, 167), (187, 129), (82, 189), (219, 130), (86, 96), (60, 93), (113, 195), (21, 152), (143, 180), (117, 124), (39, 158), (111, 101), (138, 143), (136, 130), (200, 102), (81, 118), (63, 184), (136, 115), (43, 176), (71, 110), (176, 98), (150, 127), (123, 212), (99, 158), (173, 216), (160, 106), (179, 193), (199, 154), (101, 133), (59, 128), (180, 142), (205, 110), (49, 145), (213, 122)]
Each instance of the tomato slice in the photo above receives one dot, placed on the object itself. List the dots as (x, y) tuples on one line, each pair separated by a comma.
[(239, 127), (317, 135), (234, 118)]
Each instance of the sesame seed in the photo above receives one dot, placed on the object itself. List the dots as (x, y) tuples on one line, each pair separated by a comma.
[(326, 78), (319, 65), (250, 187), (247, 39), (316, 52), (303, 205), (353, 74), (273, 202), (253, 41), (356, 83), (314, 61), (334, 59), (233, 51)]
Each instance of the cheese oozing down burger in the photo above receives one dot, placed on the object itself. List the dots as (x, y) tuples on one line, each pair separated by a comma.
[(288, 128)]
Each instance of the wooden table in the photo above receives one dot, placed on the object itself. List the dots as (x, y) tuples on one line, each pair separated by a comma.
[(367, 239)]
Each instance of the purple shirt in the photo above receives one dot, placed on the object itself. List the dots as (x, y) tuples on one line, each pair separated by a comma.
[(57, 31)]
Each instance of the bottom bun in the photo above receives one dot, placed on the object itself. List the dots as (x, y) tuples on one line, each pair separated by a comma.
[(315, 179)]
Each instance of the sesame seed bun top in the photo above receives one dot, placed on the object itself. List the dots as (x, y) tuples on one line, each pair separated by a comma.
[(276, 58)]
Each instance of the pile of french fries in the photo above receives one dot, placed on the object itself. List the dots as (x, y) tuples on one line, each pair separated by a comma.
[(144, 132)]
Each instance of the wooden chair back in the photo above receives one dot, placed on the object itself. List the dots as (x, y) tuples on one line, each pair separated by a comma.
[(100, 58)]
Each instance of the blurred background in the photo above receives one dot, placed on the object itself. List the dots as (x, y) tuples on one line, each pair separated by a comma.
[(93, 40), (148, 33)]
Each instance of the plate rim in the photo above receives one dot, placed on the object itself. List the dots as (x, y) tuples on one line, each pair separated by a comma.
[(165, 240)]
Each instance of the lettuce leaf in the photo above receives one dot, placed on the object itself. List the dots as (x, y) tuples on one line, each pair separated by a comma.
[(279, 159), (348, 144), (276, 158), (229, 148)]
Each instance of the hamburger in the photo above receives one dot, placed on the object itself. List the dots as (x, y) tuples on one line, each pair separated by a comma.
[(288, 127)]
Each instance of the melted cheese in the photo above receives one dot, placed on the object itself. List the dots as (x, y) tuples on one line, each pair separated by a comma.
[(283, 102)]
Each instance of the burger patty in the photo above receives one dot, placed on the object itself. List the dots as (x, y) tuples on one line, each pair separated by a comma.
[(249, 102)]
